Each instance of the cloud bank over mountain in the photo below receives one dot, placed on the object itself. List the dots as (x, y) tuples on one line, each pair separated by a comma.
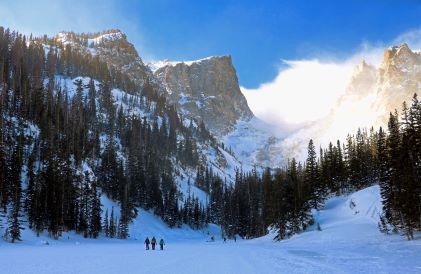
[(325, 99), (306, 90)]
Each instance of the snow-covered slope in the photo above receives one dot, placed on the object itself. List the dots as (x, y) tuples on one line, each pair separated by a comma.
[(348, 243), (255, 143), (223, 163)]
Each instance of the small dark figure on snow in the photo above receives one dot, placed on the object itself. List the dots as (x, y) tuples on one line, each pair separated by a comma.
[(225, 239), (235, 238), (161, 244), (147, 242), (153, 242)]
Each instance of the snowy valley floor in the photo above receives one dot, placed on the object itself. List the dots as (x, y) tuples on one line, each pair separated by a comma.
[(349, 243)]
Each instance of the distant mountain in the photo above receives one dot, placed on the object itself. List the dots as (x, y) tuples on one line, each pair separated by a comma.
[(206, 89), (371, 94), (393, 82)]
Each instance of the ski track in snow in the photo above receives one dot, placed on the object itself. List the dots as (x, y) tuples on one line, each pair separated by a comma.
[(348, 243)]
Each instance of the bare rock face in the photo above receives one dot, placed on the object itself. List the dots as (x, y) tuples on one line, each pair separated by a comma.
[(400, 64), (206, 90), (399, 77)]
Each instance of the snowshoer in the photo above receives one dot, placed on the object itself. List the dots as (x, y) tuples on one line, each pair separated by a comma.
[(225, 239), (147, 242), (153, 242), (235, 238), (161, 244)]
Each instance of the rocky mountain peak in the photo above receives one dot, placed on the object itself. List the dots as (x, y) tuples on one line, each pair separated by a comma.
[(112, 47), (397, 62), (386, 87), (205, 89), (402, 57), (92, 40), (363, 79)]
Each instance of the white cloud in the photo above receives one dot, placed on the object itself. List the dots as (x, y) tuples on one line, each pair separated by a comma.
[(302, 96), (303, 92), (306, 90)]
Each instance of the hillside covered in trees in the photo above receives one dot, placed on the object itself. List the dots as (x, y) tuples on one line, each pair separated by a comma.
[(73, 128)]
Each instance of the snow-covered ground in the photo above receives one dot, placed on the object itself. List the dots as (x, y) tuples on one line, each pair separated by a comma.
[(348, 243)]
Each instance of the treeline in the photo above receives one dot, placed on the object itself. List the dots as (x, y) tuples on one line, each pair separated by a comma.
[(399, 171), (59, 151), (282, 199)]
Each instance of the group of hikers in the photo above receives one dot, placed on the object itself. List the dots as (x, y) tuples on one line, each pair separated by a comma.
[(212, 239), (153, 243), (162, 243)]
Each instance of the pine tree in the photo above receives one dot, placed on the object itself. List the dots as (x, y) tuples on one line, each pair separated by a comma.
[(15, 170), (268, 198), (386, 191), (105, 226), (312, 177), (112, 226), (393, 144), (123, 227), (95, 216)]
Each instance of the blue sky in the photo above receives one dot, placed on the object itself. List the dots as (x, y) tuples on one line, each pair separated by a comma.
[(258, 34)]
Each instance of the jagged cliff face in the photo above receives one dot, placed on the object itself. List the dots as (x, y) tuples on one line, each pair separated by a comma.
[(206, 90), (399, 63), (399, 77)]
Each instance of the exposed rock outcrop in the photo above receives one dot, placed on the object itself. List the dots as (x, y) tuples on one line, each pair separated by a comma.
[(206, 90)]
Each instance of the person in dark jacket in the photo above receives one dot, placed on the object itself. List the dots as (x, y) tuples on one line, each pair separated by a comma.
[(161, 244), (153, 242), (147, 242)]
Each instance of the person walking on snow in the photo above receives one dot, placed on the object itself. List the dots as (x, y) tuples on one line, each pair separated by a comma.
[(153, 242), (147, 242), (161, 244)]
